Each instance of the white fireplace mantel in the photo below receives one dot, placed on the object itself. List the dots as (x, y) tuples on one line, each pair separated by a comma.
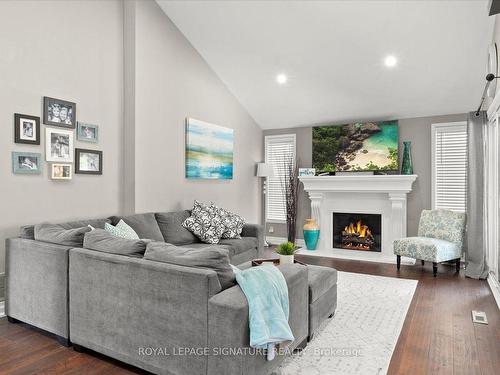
[(382, 194)]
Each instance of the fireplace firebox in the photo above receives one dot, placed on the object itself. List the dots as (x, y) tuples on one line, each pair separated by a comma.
[(357, 231)]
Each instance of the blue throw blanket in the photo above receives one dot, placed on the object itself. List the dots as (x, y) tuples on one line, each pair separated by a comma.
[(267, 294)]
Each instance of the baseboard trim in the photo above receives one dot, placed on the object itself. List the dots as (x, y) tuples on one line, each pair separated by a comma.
[(495, 288)]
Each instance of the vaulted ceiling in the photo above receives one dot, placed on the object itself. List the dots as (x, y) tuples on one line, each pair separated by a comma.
[(333, 52)]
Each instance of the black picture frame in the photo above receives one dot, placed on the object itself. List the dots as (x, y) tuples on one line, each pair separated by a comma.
[(47, 102), (78, 152), (18, 117)]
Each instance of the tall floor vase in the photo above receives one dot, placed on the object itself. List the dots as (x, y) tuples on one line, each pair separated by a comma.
[(311, 234)]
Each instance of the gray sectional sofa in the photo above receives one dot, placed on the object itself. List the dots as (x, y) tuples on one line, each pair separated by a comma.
[(153, 314)]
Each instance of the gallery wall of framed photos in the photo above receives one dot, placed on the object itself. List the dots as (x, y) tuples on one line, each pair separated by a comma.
[(60, 121)]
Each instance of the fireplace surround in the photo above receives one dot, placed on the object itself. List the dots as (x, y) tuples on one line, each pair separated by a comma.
[(384, 195)]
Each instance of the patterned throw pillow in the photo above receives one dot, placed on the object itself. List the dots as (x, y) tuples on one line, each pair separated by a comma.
[(233, 224), (122, 229), (205, 223)]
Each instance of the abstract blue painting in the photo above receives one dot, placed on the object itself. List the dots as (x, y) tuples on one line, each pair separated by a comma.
[(209, 151)]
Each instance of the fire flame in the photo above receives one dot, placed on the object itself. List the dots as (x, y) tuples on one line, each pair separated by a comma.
[(359, 228)]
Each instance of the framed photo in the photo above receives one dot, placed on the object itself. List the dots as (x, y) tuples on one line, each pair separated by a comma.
[(59, 145), (88, 161), (61, 171), (26, 129), (87, 132), (59, 112), (26, 163), (307, 172)]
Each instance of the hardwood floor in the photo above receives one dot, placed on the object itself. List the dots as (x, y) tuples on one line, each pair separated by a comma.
[(438, 336)]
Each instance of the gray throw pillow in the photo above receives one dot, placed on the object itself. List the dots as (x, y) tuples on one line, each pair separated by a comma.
[(55, 233), (233, 224), (144, 225), (170, 224), (102, 240), (209, 257)]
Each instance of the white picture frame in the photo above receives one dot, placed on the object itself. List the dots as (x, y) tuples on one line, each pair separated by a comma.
[(59, 145), (61, 171)]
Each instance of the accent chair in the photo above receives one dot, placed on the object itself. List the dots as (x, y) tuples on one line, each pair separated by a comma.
[(440, 239)]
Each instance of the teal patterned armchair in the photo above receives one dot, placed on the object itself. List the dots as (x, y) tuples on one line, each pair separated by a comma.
[(440, 239)]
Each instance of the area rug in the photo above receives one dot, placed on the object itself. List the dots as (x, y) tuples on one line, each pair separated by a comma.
[(361, 337)]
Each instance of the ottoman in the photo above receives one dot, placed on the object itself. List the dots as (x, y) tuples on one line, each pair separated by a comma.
[(322, 296)]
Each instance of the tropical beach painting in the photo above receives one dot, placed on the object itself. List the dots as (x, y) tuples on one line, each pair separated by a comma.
[(209, 151), (367, 146)]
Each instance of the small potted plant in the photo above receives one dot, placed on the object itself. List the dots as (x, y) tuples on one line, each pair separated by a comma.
[(286, 251)]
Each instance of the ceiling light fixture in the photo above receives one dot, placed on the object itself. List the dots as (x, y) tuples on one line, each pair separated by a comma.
[(281, 79), (390, 61)]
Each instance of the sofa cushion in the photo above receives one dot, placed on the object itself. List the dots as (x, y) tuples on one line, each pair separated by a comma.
[(28, 231), (144, 225), (233, 224), (122, 229), (320, 279), (205, 223), (173, 232), (102, 240), (425, 248), (55, 233), (209, 257), (239, 245)]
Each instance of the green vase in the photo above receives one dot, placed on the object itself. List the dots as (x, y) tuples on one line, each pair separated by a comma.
[(311, 234), (407, 166)]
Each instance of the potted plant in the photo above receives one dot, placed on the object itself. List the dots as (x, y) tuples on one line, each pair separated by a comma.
[(286, 250)]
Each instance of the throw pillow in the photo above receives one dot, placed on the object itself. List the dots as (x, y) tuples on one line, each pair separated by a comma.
[(122, 230), (205, 223), (233, 224), (210, 257)]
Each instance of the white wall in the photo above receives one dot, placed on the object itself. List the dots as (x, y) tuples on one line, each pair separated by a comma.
[(70, 50), (173, 82)]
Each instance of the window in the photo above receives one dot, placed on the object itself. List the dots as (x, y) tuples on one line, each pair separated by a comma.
[(278, 148), (449, 166)]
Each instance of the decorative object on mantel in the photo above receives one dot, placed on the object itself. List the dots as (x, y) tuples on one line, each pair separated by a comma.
[(286, 250), (209, 151), (290, 189), (407, 165), (311, 234), (307, 171)]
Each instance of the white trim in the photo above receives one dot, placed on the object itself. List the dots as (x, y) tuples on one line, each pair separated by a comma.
[(495, 288), (434, 128), (491, 201), (2, 309)]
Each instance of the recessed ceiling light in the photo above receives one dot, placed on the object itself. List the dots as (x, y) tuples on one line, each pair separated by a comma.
[(390, 61), (281, 79)]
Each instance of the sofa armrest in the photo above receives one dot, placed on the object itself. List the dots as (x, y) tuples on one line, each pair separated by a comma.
[(36, 284), (255, 230), (120, 304), (228, 325)]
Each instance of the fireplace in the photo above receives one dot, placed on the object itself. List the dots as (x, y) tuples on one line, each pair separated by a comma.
[(357, 231)]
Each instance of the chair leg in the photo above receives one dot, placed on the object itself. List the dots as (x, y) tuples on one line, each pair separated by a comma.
[(435, 268), (422, 261), (398, 261), (457, 265)]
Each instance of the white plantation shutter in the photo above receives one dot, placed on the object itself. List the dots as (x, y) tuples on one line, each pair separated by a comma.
[(278, 148), (449, 166)]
